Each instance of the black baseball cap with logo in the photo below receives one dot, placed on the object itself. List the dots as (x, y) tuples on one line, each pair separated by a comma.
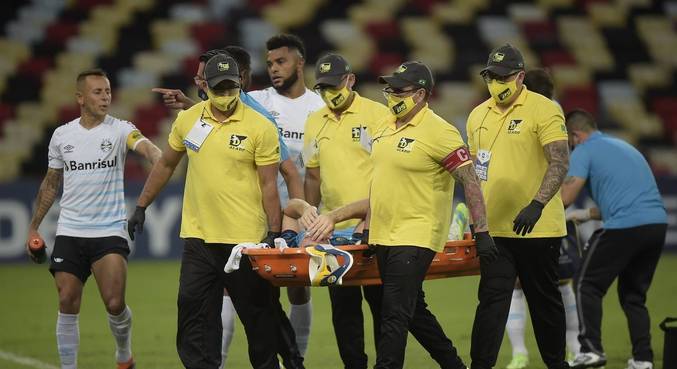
[(330, 69), (411, 73), (220, 68), (504, 61)]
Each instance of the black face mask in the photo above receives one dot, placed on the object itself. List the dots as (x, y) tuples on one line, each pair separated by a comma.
[(202, 95)]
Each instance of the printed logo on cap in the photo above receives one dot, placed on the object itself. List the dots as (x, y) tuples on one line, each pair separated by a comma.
[(325, 67), (498, 57), (223, 66), (401, 68)]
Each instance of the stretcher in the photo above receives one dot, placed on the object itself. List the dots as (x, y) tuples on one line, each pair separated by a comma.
[(289, 266)]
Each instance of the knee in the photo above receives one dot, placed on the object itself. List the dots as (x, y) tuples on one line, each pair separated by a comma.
[(69, 301), (115, 305)]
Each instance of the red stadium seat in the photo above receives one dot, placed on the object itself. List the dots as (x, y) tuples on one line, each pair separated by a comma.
[(189, 66), (89, 4), (68, 113), (383, 63), (35, 67), (557, 57), (383, 30), (260, 4), (209, 35), (580, 98), (59, 33), (147, 118), (666, 108), (543, 32)]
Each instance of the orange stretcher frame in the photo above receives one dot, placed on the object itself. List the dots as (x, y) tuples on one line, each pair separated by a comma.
[(289, 266)]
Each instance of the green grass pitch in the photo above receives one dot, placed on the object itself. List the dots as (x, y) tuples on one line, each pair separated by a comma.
[(29, 305)]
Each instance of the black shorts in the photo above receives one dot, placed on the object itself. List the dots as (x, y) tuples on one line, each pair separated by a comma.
[(75, 255)]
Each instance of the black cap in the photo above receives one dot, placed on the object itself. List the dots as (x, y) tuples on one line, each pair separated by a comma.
[(504, 60), (330, 69), (219, 68), (411, 73)]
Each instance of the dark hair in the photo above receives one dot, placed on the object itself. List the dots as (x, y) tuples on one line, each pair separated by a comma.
[(241, 56), (580, 120), (286, 40), (539, 81), (210, 54), (90, 72)]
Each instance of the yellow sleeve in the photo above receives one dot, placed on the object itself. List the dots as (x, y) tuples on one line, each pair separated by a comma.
[(134, 138), (446, 140), (177, 134), (309, 139), (267, 150), (550, 125)]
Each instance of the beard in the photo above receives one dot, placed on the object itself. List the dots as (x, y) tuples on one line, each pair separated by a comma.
[(287, 83)]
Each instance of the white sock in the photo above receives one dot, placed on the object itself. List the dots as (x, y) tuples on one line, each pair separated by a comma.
[(121, 328), (517, 320), (228, 321), (300, 317), (569, 301), (68, 339)]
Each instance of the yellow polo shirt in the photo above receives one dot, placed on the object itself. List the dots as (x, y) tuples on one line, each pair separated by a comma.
[(411, 191), (222, 198), (517, 163), (344, 161)]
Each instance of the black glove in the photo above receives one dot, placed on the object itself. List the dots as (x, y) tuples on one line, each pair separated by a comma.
[(486, 249), (270, 238), (136, 221), (526, 220)]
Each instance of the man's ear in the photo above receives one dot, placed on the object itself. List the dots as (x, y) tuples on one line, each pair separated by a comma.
[(80, 98)]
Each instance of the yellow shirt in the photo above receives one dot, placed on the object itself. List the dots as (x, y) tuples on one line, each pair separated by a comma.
[(411, 191), (340, 152), (222, 199), (517, 164)]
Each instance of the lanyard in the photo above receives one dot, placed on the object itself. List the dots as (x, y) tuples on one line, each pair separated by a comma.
[(479, 134)]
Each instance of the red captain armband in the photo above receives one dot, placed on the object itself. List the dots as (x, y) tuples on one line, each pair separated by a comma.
[(457, 158)]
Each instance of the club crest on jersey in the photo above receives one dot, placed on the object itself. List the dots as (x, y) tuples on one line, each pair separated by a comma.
[(356, 133), (514, 126), (106, 145), (405, 144), (237, 142), (68, 149)]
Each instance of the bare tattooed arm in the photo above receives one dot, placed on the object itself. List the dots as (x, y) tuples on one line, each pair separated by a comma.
[(46, 195), (557, 155), (473, 195)]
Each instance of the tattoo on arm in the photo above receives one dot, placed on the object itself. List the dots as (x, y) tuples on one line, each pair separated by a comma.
[(473, 195), (557, 154), (46, 195)]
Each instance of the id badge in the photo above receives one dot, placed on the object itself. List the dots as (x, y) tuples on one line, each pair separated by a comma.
[(365, 139), (307, 153), (197, 135), (482, 164)]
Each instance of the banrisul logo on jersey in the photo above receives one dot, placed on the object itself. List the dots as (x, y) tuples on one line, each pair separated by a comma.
[(237, 142), (73, 165)]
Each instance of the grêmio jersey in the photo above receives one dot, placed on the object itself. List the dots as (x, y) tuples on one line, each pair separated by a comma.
[(93, 161), (291, 116)]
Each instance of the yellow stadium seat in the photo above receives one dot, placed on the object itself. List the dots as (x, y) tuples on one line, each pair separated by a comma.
[(608, 14), (645, 76), (570, 76)]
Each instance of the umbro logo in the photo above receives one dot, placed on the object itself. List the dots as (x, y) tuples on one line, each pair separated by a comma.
[(405, 144), (68, 149), (58, 260)]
